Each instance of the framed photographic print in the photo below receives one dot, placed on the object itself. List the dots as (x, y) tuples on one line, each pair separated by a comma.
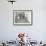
[(22, 17)]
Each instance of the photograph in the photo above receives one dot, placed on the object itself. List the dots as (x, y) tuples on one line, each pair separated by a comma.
[(22, 16), (22, 22)]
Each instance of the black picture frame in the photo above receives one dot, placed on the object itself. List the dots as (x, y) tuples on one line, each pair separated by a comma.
[(28, 14)]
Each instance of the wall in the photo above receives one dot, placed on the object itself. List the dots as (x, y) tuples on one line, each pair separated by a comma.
[(37, 31)]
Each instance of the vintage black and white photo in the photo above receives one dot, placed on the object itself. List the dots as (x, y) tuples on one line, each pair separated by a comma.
[(22, 16)]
